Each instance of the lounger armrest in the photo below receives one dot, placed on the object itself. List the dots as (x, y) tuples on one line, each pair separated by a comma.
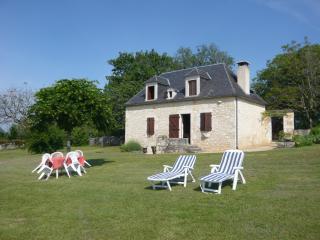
[(214, 167), (166, 168), (238, 168), (188, 167)]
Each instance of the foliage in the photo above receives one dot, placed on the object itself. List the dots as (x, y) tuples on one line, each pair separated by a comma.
[(130, 71), (131, 146), (301, 141), (315, 134), (49, 140), (203, 55), (80, 135), (70, 104), (14, 105), (292, 80)]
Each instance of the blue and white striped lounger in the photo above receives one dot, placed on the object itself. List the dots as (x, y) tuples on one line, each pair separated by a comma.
[(229, 168), (181, 168)]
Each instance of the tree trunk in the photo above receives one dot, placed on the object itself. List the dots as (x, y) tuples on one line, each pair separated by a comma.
[(68, 142)]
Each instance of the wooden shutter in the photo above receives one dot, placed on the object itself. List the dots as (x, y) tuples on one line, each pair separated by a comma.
[(205, 122), (150, 93), (174, 126), (150, 126), (192, 87)]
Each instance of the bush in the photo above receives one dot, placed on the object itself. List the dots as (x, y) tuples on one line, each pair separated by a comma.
[(130, 146), (301, 141), (46, 141), (80, 135), (315, 134)]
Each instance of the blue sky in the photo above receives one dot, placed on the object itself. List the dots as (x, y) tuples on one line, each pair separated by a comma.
[(43, 41)]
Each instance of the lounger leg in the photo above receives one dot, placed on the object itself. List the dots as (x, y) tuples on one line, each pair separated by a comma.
[(242, 177), (193, 179), (235, 180), (219, 188), (202, 185), (169, 186)]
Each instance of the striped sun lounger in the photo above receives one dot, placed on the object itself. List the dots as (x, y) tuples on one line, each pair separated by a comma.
[(229, 168), (181, 168)]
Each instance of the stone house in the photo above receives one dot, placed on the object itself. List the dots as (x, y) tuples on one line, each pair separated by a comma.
[(207, 106)]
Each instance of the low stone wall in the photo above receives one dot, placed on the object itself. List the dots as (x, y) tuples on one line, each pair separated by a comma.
[(6, 146), (301, 132), (106, 141)]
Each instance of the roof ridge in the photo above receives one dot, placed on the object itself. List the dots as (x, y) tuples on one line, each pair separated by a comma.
[(192, 68)]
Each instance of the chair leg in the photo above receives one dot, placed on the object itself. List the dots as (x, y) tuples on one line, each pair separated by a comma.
[(66, 168), (193, 179), (40, 176), (87, 163), (57, 173), (219, 188), (36, 168), (83, 169), (169, 186), (242, 177), (235, 180)]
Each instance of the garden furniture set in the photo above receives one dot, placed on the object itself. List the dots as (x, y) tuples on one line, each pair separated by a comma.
[(229, 169), (73, 161)]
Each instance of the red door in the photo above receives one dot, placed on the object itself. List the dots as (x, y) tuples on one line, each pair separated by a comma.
[(174, 126)]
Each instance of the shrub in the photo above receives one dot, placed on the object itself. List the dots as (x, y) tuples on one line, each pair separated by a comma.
[(301, 141), (46, 141), (315, 134), (80, 135), (130, 146)]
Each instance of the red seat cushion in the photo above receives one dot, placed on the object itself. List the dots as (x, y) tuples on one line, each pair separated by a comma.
[(57, 162)]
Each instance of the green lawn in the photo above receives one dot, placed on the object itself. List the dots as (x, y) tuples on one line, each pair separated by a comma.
[(281, 199)]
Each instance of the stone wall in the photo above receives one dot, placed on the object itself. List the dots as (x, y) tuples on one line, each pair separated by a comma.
[(288, 123), (220, 138), (254, 129)]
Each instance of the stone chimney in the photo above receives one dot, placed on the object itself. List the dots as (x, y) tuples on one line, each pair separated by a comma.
[(243, 75)]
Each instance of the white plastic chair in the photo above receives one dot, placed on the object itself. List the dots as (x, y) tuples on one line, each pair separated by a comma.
[(56, 164), (44, 159), (73, 165), (80, 153)]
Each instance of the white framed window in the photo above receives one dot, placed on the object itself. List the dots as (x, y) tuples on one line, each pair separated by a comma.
[(192, 86), (151, 92)]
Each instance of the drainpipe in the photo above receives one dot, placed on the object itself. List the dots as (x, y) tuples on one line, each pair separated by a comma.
[(237, 142)]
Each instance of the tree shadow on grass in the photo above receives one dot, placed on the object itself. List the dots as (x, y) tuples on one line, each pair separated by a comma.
[(98, 162)]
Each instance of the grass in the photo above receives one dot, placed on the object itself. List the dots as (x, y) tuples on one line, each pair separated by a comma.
[(281, 199)]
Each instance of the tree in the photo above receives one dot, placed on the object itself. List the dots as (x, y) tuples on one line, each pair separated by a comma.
[(70, 104), (130, 71), (204, 54), (14, 105), (292, 80)]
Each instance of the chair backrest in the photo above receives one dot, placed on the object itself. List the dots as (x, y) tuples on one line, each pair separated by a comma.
[(56, 154), (73, 156), (230, 160), (80, 153), (45, 157), (182, 162)]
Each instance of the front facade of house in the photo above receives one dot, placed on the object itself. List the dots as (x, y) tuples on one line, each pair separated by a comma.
[(208, 105)]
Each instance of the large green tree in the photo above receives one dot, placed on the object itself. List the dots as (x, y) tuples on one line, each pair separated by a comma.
[(291, 80), (130, 71), (203, 55), (69, 104)]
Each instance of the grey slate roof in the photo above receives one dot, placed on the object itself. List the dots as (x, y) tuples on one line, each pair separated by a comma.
[(220, 82)]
